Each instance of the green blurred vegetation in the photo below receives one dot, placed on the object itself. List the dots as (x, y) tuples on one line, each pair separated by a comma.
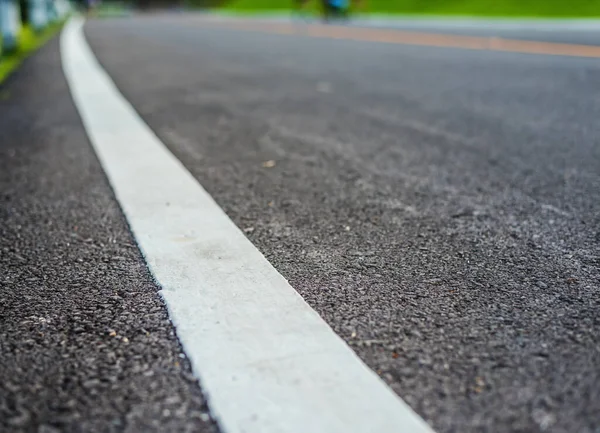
[(28, 42), (111, 9), (509, 8), (498, 8)]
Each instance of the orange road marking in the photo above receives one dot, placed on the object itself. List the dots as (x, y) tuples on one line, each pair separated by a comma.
[(413, 38)]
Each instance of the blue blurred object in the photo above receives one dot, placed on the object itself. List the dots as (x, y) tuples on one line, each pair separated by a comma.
[(339, 4), (51, 11), (10, 23), (38, 14)]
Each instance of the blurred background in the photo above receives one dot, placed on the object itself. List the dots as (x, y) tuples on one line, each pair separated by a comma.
[(22, 21), (437, 7)]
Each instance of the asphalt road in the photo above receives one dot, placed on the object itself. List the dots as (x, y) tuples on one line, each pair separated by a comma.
[(438, 207), (583, 31), (86, 344)]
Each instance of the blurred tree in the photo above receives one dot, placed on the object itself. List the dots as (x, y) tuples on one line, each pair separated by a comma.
[(151, 4), (24, 6)]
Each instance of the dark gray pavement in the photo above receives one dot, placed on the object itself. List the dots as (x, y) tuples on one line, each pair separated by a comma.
[(85, 341), (440, 208)]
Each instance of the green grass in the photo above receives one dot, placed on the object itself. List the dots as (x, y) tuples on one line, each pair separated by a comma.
[(507, 8), (28, 42), (112, 9)]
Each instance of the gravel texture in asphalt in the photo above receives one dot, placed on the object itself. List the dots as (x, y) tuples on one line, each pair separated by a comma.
[(86, 344), (440, 208)]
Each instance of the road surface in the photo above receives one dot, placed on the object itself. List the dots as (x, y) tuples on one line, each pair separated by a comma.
[(435, 200)]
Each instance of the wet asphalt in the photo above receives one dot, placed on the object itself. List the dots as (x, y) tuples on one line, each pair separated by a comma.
[(439, 208)]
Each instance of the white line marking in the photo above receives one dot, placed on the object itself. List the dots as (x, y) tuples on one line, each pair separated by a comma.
[(267, 362)]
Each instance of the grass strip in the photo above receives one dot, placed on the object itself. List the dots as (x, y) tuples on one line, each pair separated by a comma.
[(489, 8), (28, 42)]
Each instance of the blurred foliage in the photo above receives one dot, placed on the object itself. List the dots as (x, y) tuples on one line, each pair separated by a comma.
[(541, 8), (170, 4), (28, 41), (529, 8), (24, 9), (208, 3)]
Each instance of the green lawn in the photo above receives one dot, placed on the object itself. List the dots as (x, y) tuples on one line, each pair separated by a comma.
[(29, 41), (508, 8), (112, 9)]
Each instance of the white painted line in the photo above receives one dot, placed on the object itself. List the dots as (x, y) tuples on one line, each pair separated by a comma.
[(267, 362)]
